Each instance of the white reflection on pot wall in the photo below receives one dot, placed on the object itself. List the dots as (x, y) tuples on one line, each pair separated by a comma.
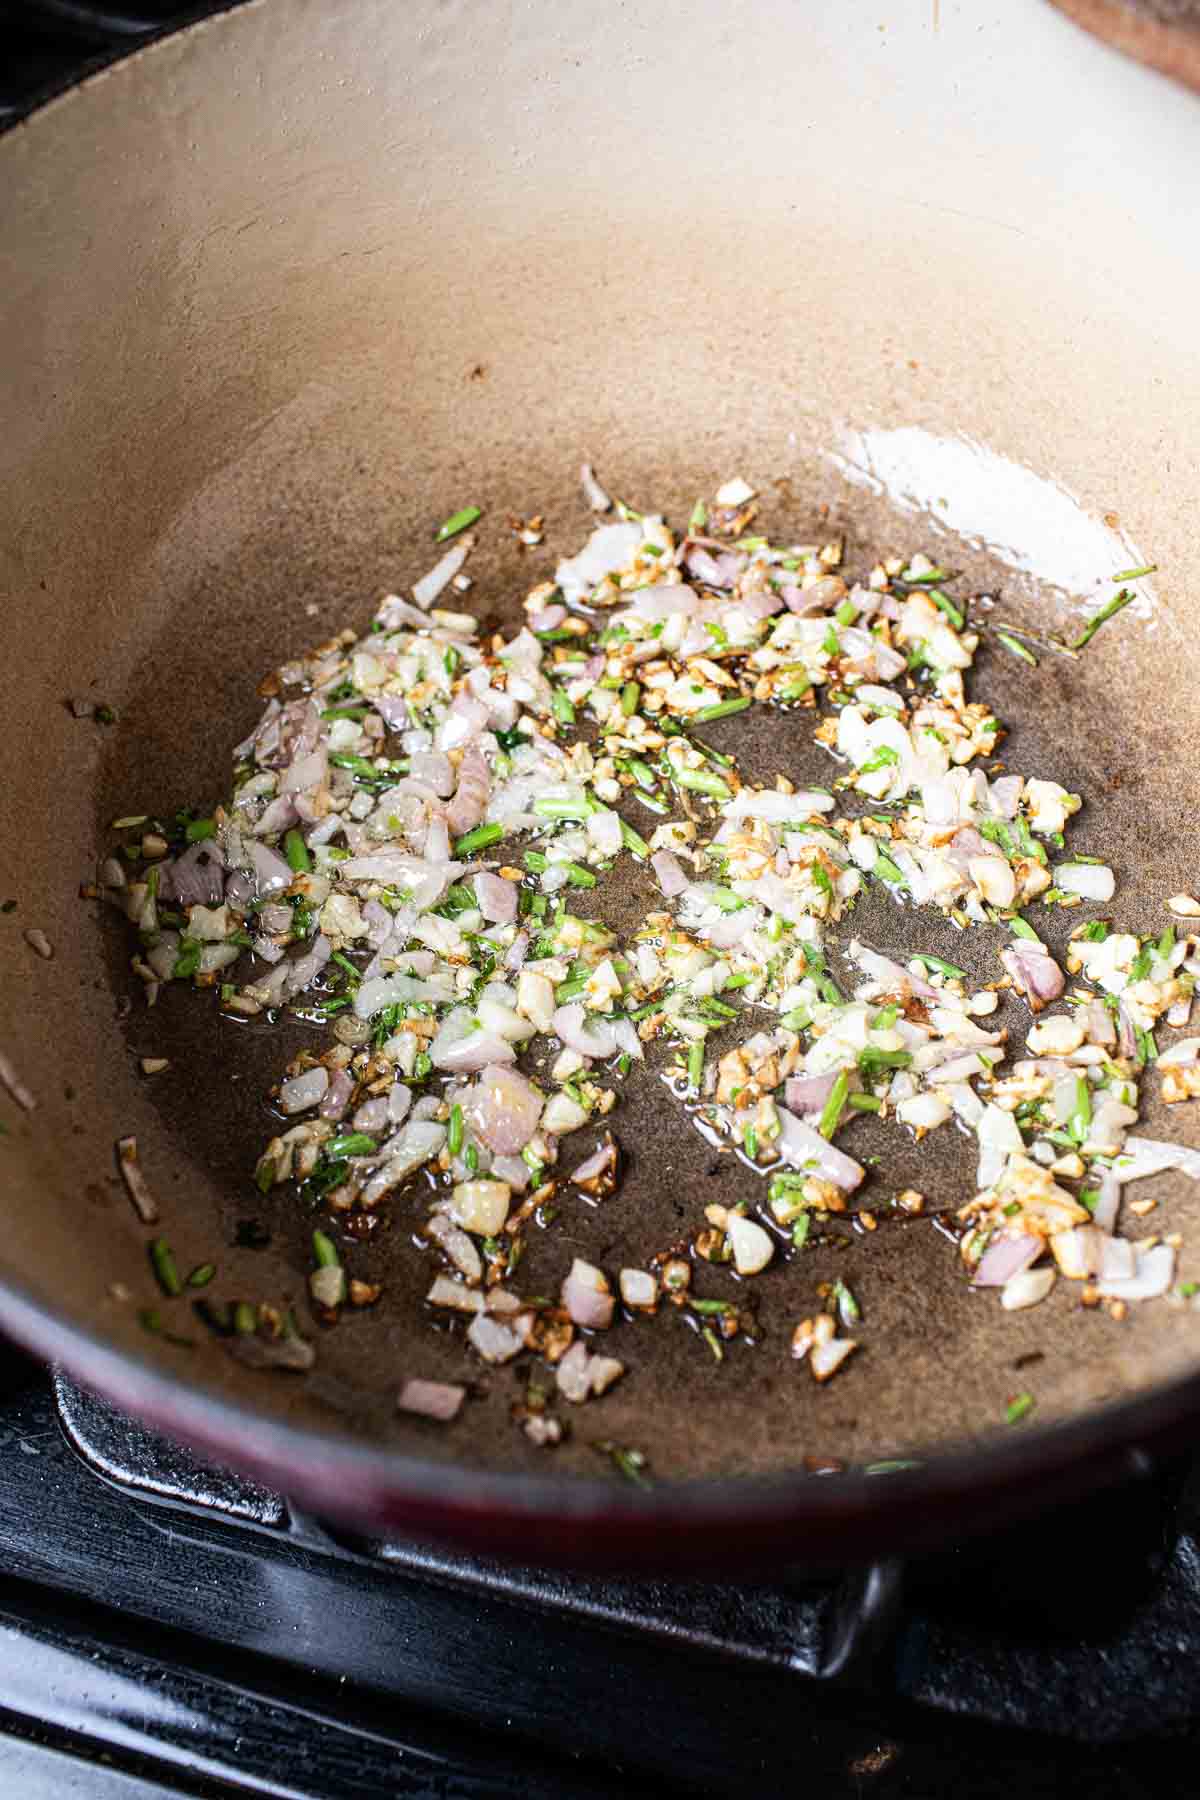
[(1031, 523)]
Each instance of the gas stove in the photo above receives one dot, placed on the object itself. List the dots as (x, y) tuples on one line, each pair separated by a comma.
[(168, 1629)]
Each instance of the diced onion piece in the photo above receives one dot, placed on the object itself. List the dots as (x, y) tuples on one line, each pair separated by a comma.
[(493, 1340), (587, 1296), (1152, 1278), (826, 1359), (639, 1288), (303, 1091), (752, 1247), (439, 1400), (481, 1206), (1092, 881), (1028, 1288)]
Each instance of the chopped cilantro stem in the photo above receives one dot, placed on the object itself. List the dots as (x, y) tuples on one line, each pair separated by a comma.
[(831, 1112), (479, 839), (866, 1103), (631, 693), (199, 829), (941, 967), (162, 1259), (724, 709), (1109, 610), (325, 1251), (201, 1275), (548, 808), (1019, 1407), (1017, 648), (296, 851), (702, 781), (354, 1143), (560, 705), (632, 841), (945, 604), (890, 871), (695, 1066), (578, 876), (466, 515), (1020, 929), (454, 1131), (1135, 574)]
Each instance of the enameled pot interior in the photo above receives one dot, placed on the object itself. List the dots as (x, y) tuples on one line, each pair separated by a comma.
[(261, 333)]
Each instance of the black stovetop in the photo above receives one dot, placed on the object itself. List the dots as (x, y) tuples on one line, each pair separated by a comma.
[(165, 1630), (168, 1631)]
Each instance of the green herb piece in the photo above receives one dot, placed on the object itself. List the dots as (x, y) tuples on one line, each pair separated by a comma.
[(1140, 967), (889, 871), (188, 960), (695, 1066), (1081, 1113), (325, 1251), (627, 1462), (750, 1142), (724, 709), (353, 1143), (199, 829), (1020, 929), (1166, 942), (702, 781), (466, 515), (940, 967), (1108, 611), (831, 1112), (849, 1311), (631, 694), (885, 1019), (633, 841), (201, 1275), (1019, 1407), (1187, 1289), (714, 1343), (882, 758), (561, 707), (450, 661), (1089, 1199), (454, 1130), (422, 1064), (798, 683), (343, 962), (1017, 648), (553, 809), (471, 1158), (945, 604), (866, 1103), (846, 613), (712, 1308), (479, 839), (800, 1231), (345, 712), (162, 1260), (578, 876), (245, 1318), (871, 1060), (1135, 574), (264, 1175)]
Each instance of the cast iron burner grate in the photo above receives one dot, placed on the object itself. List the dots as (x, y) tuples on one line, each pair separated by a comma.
[(1084, 1627)]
